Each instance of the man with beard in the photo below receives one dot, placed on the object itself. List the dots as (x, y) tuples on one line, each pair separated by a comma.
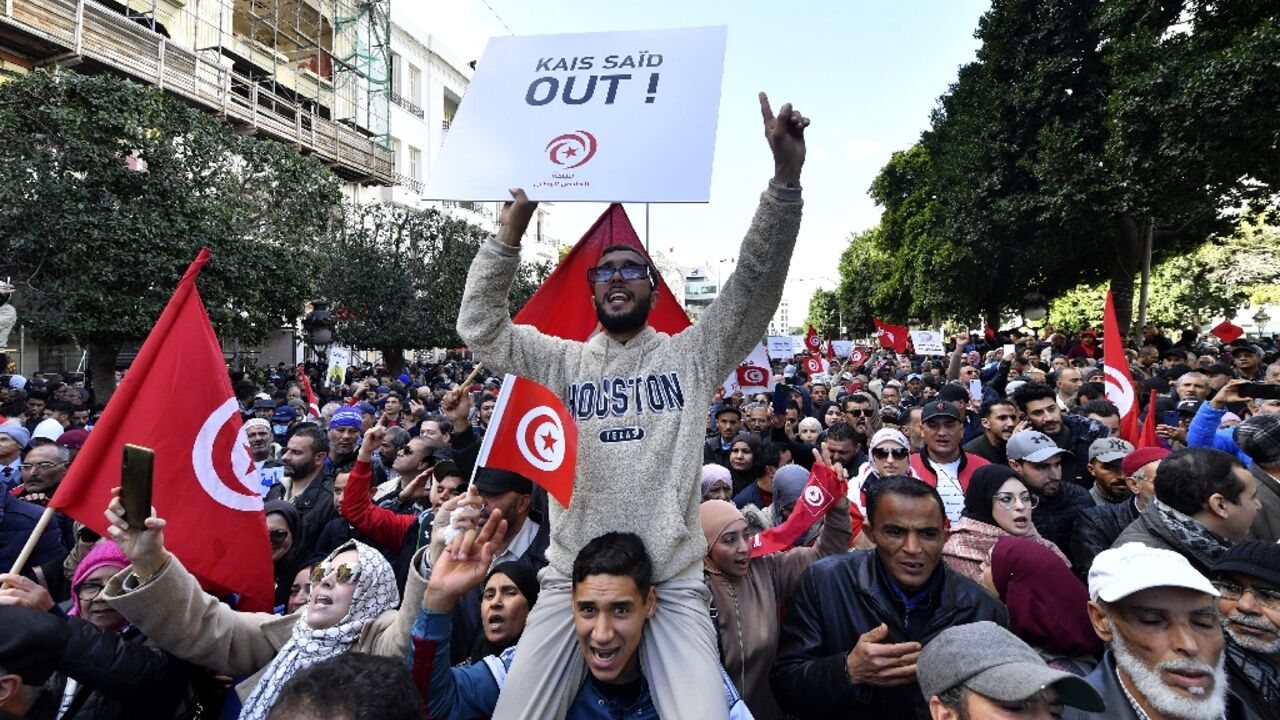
[(1040, 462), (1039, 406), (999, 418), (862, 412), (345, 428), (305, 458), (1106, 458), (1164, 658), (637, 396), (1248, 576)]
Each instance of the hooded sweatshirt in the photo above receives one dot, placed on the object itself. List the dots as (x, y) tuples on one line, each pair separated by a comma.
[(640, 406)]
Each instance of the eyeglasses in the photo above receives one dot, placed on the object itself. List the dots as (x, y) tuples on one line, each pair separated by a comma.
[(629, 271), (346, 573), (1006, 500), (88, 591), (1265, 597), (860, 412), (884, 453), (278, 534), (40, 466)]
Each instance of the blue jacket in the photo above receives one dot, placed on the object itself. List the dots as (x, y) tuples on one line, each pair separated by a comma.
[(1204, 432), (470, 691), (17, 520)]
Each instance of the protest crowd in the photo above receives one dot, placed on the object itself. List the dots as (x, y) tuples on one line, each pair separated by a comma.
[(981, 534)]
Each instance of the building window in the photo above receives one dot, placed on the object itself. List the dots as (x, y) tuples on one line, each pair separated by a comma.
[(396, 83), (415, 84), (395, 155), (415, 163)]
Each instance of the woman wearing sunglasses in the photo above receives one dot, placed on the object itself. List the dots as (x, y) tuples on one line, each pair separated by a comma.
[(997, 504), (284, 530), (889, 456), (352, 607)]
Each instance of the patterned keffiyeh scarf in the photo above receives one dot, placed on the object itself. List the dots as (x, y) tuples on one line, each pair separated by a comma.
[(1192, 535), (375, 593)]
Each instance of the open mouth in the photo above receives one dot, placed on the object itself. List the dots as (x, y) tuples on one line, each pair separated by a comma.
[(1191, 680), (319, 600), (617, 298), (1021, 523), (912, 568), (604, 659), (496, 622)]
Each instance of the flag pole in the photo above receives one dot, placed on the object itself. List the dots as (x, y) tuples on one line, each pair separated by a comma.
[(475, 372), (32, 540)]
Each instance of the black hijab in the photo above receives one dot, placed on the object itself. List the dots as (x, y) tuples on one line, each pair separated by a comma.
[(524, 577), (288, 566), (983, 485)]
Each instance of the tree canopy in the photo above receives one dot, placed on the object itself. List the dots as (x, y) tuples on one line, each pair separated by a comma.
[(111, 189)]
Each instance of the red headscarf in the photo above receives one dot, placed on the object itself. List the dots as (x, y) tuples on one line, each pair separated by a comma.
[(1048, 605)]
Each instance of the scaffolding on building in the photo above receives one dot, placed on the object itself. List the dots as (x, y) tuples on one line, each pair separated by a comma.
[(313, 72)]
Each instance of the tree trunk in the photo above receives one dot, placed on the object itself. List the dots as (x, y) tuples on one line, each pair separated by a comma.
[(102, 370), (1127, 265), (394, 359)]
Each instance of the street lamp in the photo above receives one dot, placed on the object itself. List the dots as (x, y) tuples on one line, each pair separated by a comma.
[(318, 326), (1260, 320), (1034, 307)]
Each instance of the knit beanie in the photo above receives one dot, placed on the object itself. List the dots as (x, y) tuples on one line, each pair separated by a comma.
[(104, 554), (1259, 438), (1254, 558)]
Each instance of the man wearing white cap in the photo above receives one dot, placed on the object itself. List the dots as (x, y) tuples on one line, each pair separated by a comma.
[(1160, 620)]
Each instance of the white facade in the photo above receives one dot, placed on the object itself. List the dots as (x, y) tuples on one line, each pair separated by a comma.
[(781, 322)]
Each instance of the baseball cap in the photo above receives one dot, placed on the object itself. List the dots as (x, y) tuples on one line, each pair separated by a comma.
[(1219, 369), (939, 408), (722, 409), (267, 404), (1109, 449), (1133, 567), (284, 413), (1246, 347), (444, 469), (366, 408), (1189, 407), (48, 429), (994, 663), (1033, 446), (495, 480)]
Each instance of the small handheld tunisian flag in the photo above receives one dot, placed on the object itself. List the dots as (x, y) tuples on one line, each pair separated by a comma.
[(831, 351), (205, 482), (1119, 382), (1227, 331), (531, 434), (819, 494), (813, 365), (313, 407), (563, 306), (893, 337), (1148, 438)]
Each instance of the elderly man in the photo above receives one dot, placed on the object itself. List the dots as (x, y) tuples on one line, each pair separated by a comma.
[(855, 626), (1248, 576), (981, 671), (1159, 619), (1205, 501), (1098, 527), (1259, 438)]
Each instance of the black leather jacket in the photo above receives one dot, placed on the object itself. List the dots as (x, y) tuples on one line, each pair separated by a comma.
[(838, 599), (1096, 528)]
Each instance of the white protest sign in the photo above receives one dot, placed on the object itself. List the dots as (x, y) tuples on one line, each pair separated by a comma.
[(843, 347), (780, 347), (752, 376), (797, 345), (339, 361), (610, 116), (927, 342)]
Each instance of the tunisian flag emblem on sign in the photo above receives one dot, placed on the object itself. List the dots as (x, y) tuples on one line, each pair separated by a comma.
[(205, 484), (531, 434)]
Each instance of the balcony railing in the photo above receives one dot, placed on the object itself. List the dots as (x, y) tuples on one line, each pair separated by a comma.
[(412, 184), (409, 106), (74, 29)]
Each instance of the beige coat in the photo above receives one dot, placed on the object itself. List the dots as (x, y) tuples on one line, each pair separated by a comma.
[(747, 610), (175, 614)]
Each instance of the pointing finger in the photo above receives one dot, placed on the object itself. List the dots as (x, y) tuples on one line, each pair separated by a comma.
[(765, 110)]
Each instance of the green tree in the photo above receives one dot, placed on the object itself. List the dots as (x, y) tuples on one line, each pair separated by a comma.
[(824, 313), (111, 189)]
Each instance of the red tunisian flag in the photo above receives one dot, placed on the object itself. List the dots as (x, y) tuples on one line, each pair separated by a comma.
[(531, 434), (812, 342), (206, 484), (831, 351), (1119, 382), (1227, 331), (819, 494), (1148, 438), (313, 407), (893, 337), (813, 365), (563, 305)]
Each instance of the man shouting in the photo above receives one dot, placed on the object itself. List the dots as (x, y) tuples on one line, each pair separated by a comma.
[(639, 398)]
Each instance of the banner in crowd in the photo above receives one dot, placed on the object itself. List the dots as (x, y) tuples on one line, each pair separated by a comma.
[(780, 347), (607, 116), (842, 347), (532, 434), (928, 342), (339, 361), (563, 305), (206, 485), (1118, 383), (753, 375)]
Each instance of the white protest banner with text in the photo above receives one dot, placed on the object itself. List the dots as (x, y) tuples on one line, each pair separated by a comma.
[(610, 116), (843, 347), (927, 342), (780, 347)]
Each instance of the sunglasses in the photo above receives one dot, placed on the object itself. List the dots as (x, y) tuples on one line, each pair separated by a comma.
[(278, 534), (629, 272), (862, 412), (346, 573), (884, 453), (1007, 500)]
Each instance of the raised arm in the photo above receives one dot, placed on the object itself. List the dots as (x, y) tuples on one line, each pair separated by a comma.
[(484, 322), (734, 323), (382, 526)]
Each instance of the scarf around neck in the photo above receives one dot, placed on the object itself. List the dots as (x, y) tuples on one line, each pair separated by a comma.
[(1206, 546)]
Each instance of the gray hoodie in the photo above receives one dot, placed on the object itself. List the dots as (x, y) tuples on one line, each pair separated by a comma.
[(640, 406)]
